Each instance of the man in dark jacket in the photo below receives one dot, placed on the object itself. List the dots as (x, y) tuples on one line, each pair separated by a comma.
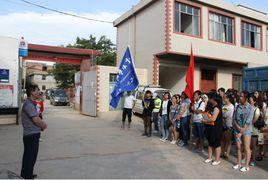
[(148, 106)]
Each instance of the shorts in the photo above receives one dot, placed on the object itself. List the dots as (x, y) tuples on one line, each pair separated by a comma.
[(198, 130), (246, 133)]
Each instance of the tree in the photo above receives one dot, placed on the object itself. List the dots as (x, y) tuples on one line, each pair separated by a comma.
[(64, 74), (105, 45)]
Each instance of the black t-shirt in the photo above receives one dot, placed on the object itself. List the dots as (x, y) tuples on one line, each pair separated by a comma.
[(148, 105)]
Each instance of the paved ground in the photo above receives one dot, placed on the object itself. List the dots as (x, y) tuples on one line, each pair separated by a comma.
[(77, 146)]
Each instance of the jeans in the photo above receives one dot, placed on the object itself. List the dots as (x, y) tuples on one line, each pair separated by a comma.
[(127, 112), (163, 125), (185, 129), (31, 147), (199, 130), (155, 120)]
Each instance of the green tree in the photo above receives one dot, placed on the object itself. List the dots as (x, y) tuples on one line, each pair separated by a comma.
[(64, 74), (105, 45)]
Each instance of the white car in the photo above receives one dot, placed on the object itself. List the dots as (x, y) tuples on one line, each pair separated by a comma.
[(139, 94)]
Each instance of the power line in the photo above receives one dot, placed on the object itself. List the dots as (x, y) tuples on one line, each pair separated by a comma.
[(65, 13)]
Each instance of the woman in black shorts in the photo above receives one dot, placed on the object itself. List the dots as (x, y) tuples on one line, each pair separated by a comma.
[(213, 128)]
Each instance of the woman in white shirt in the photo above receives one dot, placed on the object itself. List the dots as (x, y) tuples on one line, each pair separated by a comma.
[(227, 112)]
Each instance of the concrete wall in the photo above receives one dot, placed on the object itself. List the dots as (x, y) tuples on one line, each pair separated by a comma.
[(103, 76), (9, 48), (207, 48), (145, 34), (49, 82), (172, 75)]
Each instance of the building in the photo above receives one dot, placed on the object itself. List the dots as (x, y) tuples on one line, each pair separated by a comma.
[(225, 38), (38, 73)]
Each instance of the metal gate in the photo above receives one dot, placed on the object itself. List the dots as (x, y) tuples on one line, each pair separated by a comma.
[(89, 105)]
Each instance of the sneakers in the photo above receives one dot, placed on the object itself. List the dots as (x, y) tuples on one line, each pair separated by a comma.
[(252, 164), (173, 142), (208, 161), (244, 169), (238, 166), (216, 163), (200, 151), (144, 134)]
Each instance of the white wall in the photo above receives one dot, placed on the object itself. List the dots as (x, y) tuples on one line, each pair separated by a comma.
[(145, 33), (103, 84), (9, 48), (49, 82)]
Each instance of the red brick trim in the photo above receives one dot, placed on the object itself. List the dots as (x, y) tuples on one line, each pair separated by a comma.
[(98, 89), (168, 24), (156, 71)]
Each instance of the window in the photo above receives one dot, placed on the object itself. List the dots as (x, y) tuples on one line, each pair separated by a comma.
[(43, 88), (44, 77), (237, 82), (44, 68), (221, 28), (113, 78), (187, 19), (251, 35)]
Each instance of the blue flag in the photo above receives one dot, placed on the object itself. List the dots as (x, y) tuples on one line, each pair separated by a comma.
[(127, 79)]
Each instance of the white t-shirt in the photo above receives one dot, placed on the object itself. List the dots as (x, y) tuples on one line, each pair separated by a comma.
[(129, 102), (227, 113), (200, 105), (164, 107)]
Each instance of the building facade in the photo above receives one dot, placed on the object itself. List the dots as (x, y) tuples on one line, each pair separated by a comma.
[(225, 38), (38, 73)]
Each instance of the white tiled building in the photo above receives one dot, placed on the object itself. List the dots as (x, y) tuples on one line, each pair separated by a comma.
[(225, 38)]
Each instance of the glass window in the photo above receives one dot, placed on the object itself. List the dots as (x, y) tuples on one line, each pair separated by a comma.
[(187, 19), (221, 28), (251, 35), (44, 68), (113, 78), (237, 82), (43, 77), (43, 88)]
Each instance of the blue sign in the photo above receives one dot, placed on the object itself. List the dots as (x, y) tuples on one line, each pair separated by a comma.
[(127, 79), (4, 76), (23, 48)]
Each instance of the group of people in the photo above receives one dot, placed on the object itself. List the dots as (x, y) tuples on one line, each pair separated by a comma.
[(220, 117)]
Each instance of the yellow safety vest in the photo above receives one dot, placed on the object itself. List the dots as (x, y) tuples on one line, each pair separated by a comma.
[(157, 103)]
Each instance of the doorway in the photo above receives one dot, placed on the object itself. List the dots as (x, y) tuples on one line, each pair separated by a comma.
[(208, 80)]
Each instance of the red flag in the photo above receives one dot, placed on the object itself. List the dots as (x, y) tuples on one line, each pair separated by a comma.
[(189, 90)]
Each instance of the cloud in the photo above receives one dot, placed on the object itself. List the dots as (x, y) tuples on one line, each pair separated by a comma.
[(55, 29)]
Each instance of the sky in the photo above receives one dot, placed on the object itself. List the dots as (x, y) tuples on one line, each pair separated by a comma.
[(44, 27)]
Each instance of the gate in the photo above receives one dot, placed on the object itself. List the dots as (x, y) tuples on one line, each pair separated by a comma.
[(89, 95)]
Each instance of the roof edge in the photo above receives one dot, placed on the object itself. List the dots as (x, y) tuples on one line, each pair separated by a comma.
[(135, 9)]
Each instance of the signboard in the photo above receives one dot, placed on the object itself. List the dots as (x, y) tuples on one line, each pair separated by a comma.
[(23, 48), (4, 76), (6, 96)]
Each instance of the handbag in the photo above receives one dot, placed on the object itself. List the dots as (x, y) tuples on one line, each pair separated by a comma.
[(260, 122)]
